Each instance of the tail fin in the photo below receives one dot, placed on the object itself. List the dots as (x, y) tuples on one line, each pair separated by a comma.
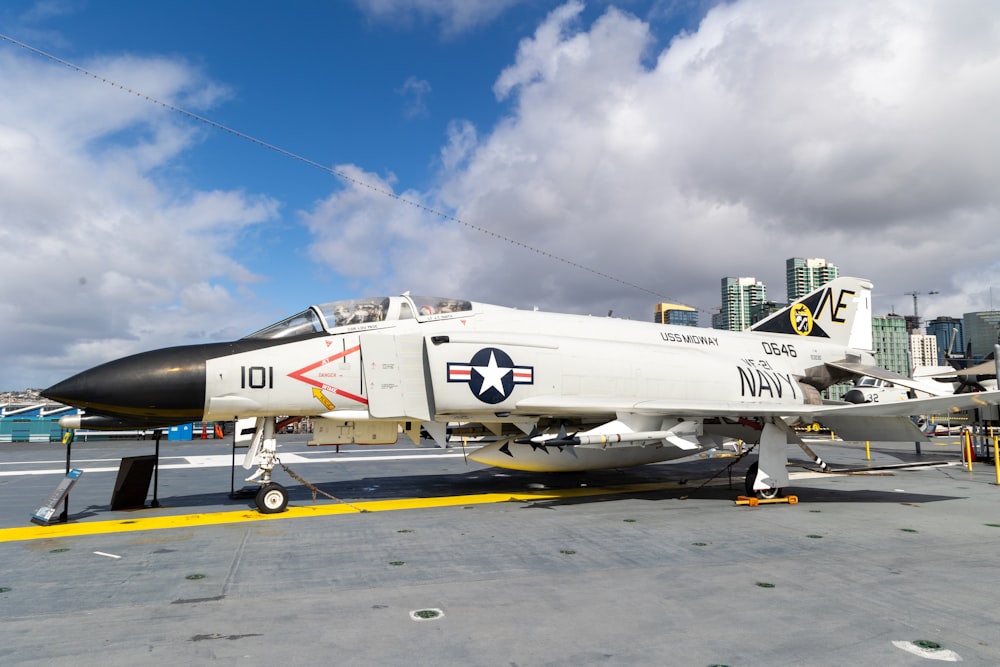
[(839, 311)]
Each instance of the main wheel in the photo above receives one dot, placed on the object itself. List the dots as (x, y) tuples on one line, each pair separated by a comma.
[(764, 494), (271, 499)]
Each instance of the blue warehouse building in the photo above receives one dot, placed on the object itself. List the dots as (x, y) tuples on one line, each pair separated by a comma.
[(37, 422)]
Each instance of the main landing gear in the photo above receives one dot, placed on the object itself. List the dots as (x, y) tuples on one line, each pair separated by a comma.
[(763, 494), (767, 478), (769, 474)]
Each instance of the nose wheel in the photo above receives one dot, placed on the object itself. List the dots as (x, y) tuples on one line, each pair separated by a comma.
[(271, 499)]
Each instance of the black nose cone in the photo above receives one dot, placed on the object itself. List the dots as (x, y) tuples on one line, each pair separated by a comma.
[(167, 385)]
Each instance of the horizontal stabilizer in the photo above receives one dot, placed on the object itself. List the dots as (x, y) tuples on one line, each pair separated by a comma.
[(936, 405), (861, 370)]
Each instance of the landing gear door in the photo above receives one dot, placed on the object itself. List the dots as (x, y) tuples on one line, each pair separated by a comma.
[(394, 376)]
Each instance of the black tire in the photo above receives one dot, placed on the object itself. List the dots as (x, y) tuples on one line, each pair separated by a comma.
[(271, 499), (763, 494)]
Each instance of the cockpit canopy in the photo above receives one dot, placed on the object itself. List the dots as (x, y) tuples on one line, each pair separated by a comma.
[(343, 315)]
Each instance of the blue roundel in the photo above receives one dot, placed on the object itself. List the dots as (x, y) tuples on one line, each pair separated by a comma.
[(492, 379), (491, 375)]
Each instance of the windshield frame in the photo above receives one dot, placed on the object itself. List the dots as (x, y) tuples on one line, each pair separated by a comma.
[(293, 327), (363, 314)]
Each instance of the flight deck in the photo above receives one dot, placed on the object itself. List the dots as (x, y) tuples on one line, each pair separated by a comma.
[(424, 557)]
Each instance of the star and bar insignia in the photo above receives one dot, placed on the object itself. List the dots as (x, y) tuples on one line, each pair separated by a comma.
[(491, 375)]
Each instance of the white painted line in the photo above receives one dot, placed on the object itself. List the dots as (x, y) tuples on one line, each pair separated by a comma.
[(41, 463), (322, 452), (225, 461), (101, 553), (62, 471)]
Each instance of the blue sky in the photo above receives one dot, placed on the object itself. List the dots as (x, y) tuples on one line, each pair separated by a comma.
[(664, 143)]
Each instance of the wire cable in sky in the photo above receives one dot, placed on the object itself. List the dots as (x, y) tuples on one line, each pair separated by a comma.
[(339, 174)]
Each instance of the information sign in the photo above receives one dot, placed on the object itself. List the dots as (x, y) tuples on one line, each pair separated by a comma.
[(43, 515)]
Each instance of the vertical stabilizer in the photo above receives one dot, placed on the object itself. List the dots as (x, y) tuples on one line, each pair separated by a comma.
[(839, 311)]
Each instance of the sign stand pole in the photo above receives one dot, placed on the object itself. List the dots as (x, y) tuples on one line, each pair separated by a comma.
[(64, 516), (157, 434), (232, 468)]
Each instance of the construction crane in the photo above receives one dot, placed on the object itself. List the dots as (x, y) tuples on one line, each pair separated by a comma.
[(916, 315)]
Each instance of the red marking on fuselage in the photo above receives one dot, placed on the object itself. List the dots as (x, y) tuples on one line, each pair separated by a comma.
[(300, 375)]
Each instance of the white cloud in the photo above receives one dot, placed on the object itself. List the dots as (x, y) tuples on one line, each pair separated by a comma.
[(462, 140), (414, 92), (365, 235), (861, 132), (455, 16), (90, 237)]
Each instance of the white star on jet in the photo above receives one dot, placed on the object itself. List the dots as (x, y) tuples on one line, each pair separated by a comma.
[(493, 376)]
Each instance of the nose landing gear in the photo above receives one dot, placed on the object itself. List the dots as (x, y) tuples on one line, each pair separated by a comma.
[(271, 499)]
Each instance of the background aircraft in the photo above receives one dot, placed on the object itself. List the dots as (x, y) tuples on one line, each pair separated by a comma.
[(561, 392)]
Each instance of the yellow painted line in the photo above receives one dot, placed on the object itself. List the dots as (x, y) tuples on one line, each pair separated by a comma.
[(35, 532)]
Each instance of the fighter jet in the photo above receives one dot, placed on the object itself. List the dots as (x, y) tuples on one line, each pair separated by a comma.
[(559, 392)]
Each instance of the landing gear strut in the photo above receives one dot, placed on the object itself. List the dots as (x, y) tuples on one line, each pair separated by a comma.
[(769, 474), (272, 497)]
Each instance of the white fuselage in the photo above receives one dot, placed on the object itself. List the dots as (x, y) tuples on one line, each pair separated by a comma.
[(434, 373)]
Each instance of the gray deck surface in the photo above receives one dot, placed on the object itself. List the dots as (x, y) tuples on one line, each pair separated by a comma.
[(677, 576)]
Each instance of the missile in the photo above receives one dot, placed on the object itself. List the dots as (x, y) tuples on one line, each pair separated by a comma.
[(680, 437), (600, 439)]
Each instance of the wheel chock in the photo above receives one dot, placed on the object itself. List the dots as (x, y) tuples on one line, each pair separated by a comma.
[(753, 502)]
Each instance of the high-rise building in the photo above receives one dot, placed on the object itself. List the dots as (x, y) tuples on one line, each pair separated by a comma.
[(762, 311), (923, 350), (891, 343), (739, 296), (944, 329), (805, 275), (672, 313), (982, 331)]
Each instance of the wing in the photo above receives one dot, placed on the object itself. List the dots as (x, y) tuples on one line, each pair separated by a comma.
[(596, 406), (866, 421)]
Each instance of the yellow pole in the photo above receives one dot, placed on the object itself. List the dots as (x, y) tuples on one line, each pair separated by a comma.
[(968, 450), (868, 451), (996, 456)]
